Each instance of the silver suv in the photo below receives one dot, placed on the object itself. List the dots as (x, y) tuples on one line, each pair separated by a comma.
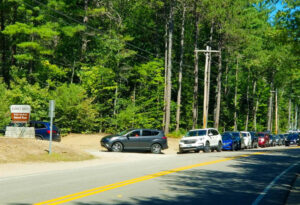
[(201, 139)]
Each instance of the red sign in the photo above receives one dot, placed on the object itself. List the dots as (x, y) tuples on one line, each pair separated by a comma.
[(20, 117)]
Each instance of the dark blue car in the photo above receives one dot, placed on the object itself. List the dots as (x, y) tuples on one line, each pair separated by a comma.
[(230, 142), (293, 139), (42, 131), (238, 139)]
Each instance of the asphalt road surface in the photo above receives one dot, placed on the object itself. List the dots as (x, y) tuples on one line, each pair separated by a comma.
[(258, 176)]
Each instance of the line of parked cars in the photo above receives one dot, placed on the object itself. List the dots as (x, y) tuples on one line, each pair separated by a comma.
[(195, 140)]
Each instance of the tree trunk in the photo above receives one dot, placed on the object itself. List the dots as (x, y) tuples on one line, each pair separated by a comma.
[(196, 70), (73, 72), (290, 112), (235, 95), (84, 37), (116, 100), (296, 117), (218, 90), (276, 112), (169, 83), (166, 74), (14, 47), (254, 115), (226, 79), (270, 109), (180, 70), (247, 99), (5, 69)]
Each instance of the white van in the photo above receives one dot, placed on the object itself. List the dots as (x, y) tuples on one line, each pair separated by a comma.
[(247, 139), (201, 139)]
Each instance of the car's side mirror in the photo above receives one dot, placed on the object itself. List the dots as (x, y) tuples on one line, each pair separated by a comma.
[(210, 134)]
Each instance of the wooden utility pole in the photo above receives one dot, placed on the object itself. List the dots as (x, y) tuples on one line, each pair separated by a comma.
[(206, 81)]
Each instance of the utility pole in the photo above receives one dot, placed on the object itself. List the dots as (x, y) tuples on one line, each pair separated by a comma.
[(206, 82)]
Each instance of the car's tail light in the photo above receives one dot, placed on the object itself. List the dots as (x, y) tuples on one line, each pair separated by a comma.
[(53, 131), (164, 137)]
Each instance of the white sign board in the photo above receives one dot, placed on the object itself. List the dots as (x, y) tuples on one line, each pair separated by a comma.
[(20, 108)]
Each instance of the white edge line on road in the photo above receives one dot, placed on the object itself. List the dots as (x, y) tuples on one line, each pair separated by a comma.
[(265, 191)]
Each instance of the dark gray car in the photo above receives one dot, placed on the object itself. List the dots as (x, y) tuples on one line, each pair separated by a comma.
[(136, 139)]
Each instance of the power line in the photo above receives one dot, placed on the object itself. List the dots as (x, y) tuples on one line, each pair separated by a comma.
[(101, 32)]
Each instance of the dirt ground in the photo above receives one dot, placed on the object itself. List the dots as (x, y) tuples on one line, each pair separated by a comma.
[(80, 144)]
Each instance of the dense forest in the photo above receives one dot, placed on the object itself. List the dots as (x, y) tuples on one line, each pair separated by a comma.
[(117, 64)]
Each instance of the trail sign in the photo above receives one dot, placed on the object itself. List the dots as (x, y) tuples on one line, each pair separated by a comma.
[(20, 113)]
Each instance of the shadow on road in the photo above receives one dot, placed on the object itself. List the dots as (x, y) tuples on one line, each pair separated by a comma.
[(245, 179)]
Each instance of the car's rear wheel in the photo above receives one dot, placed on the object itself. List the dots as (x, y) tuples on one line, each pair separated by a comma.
[(219, 148), (38, 137), (117, 147), (233, 147), (156, 148), (207, 147)]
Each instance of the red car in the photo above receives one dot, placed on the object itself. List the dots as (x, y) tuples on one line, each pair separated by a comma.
[(263, 139)]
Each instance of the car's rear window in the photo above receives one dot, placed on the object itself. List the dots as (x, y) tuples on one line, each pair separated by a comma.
[(39, 126)]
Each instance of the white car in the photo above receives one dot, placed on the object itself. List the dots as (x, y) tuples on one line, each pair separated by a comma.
[(201, 139), (247, 139)]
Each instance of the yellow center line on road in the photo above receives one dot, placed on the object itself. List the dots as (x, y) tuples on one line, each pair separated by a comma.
[(97, 190)]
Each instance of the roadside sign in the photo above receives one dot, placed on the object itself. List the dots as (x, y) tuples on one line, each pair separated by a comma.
[(20, 113)]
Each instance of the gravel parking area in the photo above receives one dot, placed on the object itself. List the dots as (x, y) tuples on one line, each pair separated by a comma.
[(88, 143)]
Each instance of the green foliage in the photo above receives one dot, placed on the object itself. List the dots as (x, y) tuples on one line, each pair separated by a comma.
[(107, 74), (74, 111)]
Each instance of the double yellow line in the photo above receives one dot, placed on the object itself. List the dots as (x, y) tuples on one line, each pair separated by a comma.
[(97, 190)]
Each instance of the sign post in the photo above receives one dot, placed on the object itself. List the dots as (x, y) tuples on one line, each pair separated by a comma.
[(51, 115)]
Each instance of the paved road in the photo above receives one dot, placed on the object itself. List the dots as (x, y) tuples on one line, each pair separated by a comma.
[(259, 176)]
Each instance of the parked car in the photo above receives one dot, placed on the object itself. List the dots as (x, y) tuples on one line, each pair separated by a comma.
[(247, 139), (272, 141), (201, 139), (293, 139), (254, 140), (285, 136), (239, 139), (263, 139), (282, 138), (229, 142), (278, 140), (136, 139), (42, 131)]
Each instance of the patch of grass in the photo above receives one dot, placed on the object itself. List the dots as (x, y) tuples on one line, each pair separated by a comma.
[(56, 157), (31, 150)]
